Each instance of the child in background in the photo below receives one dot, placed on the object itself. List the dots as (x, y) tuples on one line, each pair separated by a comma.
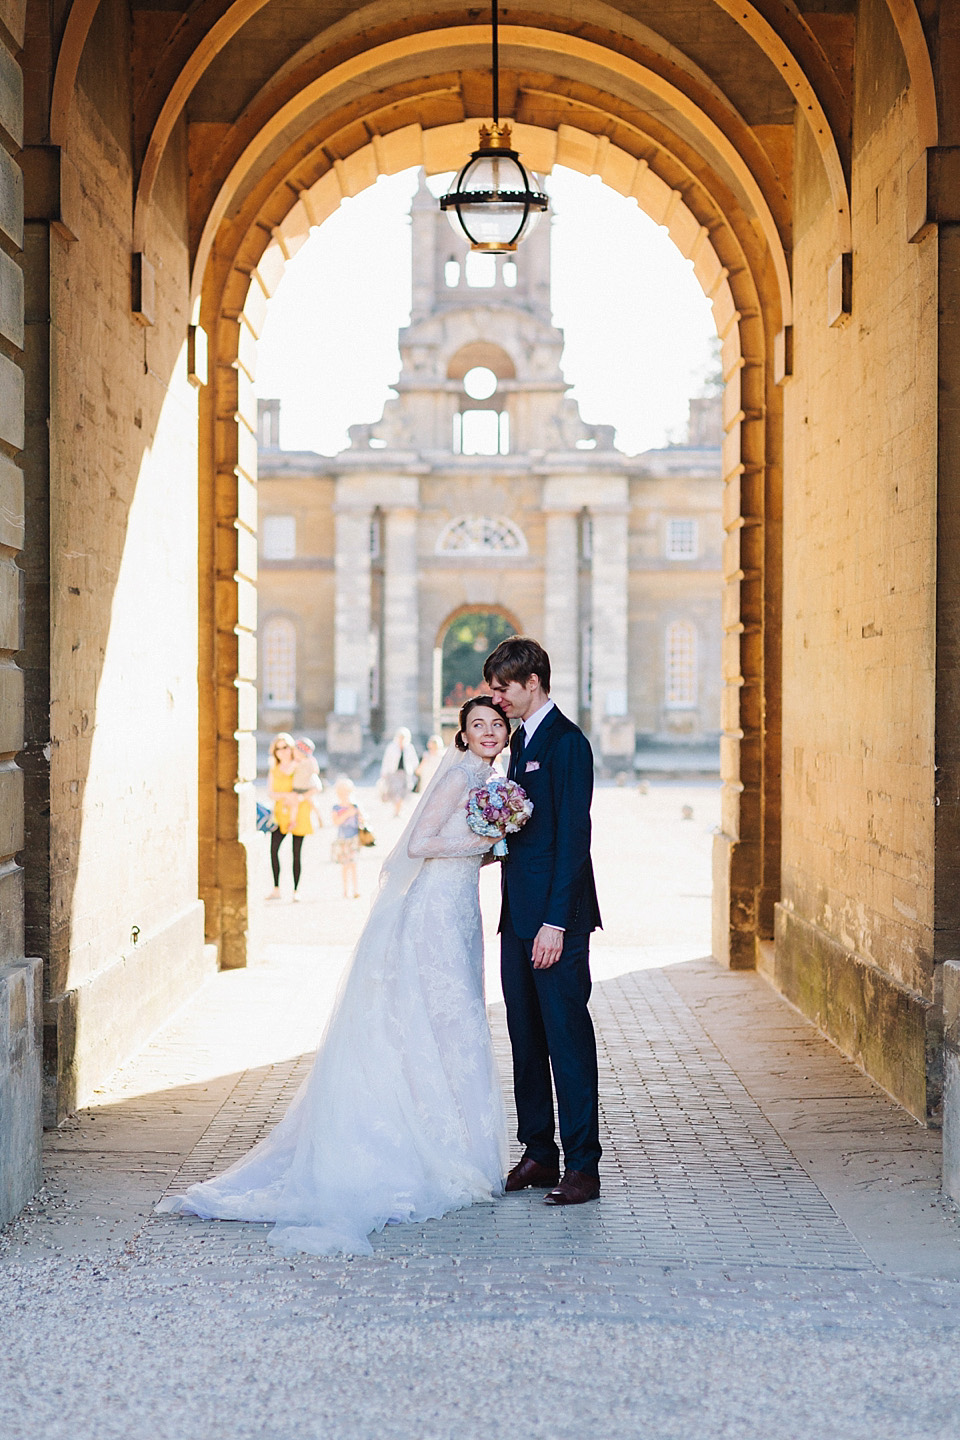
[(348, 819), (306, 775)]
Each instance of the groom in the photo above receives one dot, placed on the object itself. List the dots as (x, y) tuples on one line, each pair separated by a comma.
[(549, 909)]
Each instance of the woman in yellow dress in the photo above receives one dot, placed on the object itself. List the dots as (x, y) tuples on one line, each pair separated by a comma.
[(292, 812)]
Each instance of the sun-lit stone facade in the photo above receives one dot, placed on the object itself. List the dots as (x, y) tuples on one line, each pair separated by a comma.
[(387, 571)]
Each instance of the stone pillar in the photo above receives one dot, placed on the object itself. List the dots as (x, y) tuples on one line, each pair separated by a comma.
[(401, 638), (21, 994), (612, 728), (351, 626), (561, 630)]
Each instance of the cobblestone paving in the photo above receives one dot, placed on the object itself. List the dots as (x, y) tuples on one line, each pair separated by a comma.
[(692, 1170)]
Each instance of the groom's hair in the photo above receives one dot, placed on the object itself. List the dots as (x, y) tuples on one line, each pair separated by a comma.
[(517, 658), (460, 739)]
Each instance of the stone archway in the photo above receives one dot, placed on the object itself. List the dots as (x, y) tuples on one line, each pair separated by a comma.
[(749, 316), (751, 305), (173, 159)]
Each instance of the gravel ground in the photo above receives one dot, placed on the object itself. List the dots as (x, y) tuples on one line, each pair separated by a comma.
[(769, 1260), (180, 1357)]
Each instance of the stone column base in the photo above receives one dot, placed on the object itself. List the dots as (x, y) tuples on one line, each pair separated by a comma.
[(884, 1028), (21, 1018), (344, 741), (951, 1079), (91, 1029), (618, 739)]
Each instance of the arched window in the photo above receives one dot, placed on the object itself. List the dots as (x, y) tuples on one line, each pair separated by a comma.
[(481, 535), (681, 666), (278, 659)]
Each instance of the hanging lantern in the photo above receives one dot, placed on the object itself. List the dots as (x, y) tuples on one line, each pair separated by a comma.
[(493, 202)]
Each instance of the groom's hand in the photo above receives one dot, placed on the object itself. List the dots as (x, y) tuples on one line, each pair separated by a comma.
[(547, 947)]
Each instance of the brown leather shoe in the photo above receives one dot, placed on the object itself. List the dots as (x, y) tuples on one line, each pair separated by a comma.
[(575, 1188), (531, 1172)]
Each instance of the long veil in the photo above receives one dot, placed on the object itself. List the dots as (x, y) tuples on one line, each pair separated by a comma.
[(397, 874), (366, 1138)]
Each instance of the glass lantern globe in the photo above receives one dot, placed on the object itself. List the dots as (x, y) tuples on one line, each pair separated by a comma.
[(493, 201)]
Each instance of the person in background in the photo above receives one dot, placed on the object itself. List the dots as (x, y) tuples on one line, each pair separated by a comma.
[(429, 762), (293, 813), (306, 776), (348, 819), (397, 770)]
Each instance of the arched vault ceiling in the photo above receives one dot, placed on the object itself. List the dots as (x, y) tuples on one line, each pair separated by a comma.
[(713, 47), (219, 61), (455, 79), (700, 119), (742, 70)]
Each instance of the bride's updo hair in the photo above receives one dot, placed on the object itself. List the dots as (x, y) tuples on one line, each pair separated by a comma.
[(460, 739)]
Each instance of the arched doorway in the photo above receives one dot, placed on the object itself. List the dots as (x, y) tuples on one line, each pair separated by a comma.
[(465, 640), (732, 128), (750, 295)]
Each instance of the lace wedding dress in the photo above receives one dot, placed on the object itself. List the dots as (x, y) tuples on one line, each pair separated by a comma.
[(401, 1117)]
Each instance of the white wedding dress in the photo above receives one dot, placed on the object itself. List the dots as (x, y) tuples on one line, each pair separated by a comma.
[(401, 1117)]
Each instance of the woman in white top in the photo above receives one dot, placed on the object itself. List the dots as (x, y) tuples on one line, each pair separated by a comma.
[(397, 770)]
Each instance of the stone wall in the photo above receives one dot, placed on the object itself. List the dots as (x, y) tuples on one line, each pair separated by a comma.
[(120, 922), (20, 995), (855, 923)]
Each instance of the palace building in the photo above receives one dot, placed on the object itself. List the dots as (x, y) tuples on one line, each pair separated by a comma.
[(480, 505)]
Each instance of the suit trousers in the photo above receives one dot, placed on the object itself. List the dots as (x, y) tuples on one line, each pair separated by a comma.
[(550, 1027)]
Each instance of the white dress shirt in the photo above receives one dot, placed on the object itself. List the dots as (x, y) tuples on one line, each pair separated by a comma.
[(532, 721)]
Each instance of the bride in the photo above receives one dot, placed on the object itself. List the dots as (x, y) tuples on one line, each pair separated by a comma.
[(401, 1117)]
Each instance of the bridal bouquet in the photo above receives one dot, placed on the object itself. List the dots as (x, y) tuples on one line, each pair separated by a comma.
[(498, 808)]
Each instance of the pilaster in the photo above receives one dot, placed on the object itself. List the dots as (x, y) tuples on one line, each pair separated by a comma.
[(351, 625), (21, 995), (563, 500), (610, 722), (400, 615)]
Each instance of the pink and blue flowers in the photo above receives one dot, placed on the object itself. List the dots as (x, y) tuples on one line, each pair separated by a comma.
[(499, 808)]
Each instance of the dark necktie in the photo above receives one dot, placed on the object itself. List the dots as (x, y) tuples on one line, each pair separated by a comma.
[(518, 749)]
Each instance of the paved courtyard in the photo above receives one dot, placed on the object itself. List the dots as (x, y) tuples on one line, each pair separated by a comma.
[(769, 1260)]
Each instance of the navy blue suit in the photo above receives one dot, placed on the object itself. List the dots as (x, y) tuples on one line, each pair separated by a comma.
[(548, 880)]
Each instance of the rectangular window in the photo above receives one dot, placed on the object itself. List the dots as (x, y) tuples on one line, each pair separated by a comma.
[(481, 270), (586, 536), (279, 537), (278, 658), (376, 538), (373, 656), (480, 432), (681, 539), (681, 666), (586, 667)]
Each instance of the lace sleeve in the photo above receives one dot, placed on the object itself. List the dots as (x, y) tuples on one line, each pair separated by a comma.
[(426, 842)]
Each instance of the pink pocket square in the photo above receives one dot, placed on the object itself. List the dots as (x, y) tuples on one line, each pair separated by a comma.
[(532, 765)]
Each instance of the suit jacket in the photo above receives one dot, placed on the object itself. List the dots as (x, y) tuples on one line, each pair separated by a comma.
[(547, 874)]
